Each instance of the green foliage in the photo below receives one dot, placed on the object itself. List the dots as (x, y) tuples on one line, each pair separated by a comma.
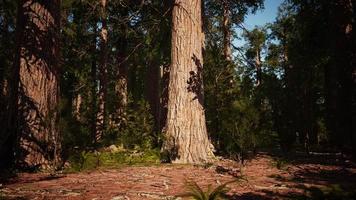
[(238, 114), (74, 133), (138, 130), (197, 193), (256, 41), (91, 160)]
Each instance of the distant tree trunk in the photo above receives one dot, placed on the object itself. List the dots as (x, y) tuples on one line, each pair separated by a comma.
[(4, 31), (102, 74), (353, 77), (121, 92), (10, 131), (258, 67), (93, 93), (289, 101), (153, 91), (35, 76), (164, 96), (76, 104), (338, 75), (165, 68), (227, 31), (307, 118), (186, 138), (122, 75)]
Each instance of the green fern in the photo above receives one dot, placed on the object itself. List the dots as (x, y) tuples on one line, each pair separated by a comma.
[(197, 193)]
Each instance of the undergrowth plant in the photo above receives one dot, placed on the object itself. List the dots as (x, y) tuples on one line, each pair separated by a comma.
[(196, 192), (84, 160)]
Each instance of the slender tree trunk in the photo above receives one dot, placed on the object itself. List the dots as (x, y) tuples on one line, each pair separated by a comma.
[(122, 74), (227, 31), (353, 76), (258, 67), (186, 138), (93, 93), (307, 118), (164, 96), (76, 104), (100, 118), (121, 92), (36, 77)]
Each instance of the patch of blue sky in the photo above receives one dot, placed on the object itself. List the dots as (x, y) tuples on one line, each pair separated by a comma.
[(260, 18)]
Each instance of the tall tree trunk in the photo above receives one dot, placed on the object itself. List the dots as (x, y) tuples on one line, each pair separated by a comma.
[(227, 31), (9, 134), (353, 76), (165, 67), (339, 74), (36, 77), (152, 90), (102, 74), (121, 92), (258, 67), (186, 138), (76, 104), (93, 92), (288, 114), (122, 74)]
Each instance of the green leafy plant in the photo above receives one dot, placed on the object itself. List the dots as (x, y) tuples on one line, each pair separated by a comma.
[(280, 164), (196, 192)]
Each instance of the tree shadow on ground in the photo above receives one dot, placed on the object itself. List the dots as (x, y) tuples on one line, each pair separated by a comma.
[(315, 177), (13, 178), (313, 193), (319, 158)]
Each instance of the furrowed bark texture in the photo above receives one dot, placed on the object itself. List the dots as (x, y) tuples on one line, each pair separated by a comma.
[(186, 134), (39, 135)]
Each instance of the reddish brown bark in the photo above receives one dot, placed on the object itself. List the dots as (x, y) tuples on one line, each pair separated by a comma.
[(36, 67), (186, 138)]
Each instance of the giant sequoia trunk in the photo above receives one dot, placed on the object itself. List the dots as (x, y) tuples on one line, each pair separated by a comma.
[(34, 107), (186, 138), (100, 118)]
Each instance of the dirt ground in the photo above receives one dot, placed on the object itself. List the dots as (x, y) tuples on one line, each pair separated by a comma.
[(265, 178)]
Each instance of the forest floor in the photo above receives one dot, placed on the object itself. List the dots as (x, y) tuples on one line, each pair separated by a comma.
[(266, 177)]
